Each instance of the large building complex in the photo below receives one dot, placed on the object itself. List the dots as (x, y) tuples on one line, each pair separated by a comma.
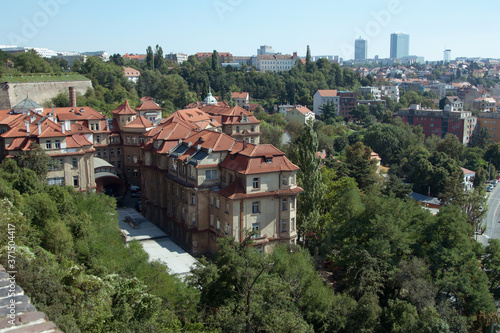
[(202, 171), (440, 122), (400, 45)]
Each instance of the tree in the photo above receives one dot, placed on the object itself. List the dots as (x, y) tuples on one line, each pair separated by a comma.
[(150, 64), (215, 61), (451, 146), (158, 58), (328, 112), (35, 159), (360, 112), (310, 179), (310, 67)]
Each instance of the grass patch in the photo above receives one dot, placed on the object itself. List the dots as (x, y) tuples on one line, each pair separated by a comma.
[(38, 77)]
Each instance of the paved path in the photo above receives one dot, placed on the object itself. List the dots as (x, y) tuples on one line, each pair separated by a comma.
[(492, 217), (156, 243)]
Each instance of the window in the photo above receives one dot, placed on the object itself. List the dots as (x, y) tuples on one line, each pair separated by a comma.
[(211, 174), (255, 230), (75, 181), (193, 198), (141, 140), (252, 128), (134, 139), (283, 225), (91, 127), (218, 224), (135, 173), (255, 207), (256, 184), (174, 165), (284, 180), (57, 144), (48, 145), (57, 163), (74, 162), (269, 159), (217, 203), (193, 218), (127, 139), (211, 220), (119, 164), (98, 153), (284, 204), (111, 152), (292, 223), (228, 229), (292, 202), (104, 152), (96, 127), (237, 129), (191, 171), (227, 207), (97, 139), (59, 181), (118, 151), (128, 158), (252, 140), (211, 200)]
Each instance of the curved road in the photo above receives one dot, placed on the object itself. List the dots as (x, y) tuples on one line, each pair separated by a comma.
[(492, 220)]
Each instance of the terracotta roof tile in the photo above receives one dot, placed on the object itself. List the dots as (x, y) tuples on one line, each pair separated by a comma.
[(148, 105), (124, 109), (327, 93), (139, 122)]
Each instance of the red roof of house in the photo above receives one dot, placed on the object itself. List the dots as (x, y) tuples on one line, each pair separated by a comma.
[(124, 109), (258, 159), (194, 116), (148, 105), (76, 113), (139, 122), (327, 93), (239, 95), (129, 71)]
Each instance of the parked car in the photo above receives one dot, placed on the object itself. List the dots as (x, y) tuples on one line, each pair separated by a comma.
[(136, 195), (489, 188), (134, 188)]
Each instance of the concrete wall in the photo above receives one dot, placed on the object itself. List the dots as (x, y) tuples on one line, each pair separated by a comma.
[(40, 92)]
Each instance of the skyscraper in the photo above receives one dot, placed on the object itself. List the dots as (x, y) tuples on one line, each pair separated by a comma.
[(447, 55), (360, 49), (400, 45)]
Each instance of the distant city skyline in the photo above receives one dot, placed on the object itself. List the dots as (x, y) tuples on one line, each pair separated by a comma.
[(233, 26)]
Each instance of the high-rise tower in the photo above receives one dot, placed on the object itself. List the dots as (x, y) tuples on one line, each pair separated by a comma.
[(400, 45), (360, 49)]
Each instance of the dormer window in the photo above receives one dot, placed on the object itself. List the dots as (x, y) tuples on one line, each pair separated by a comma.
[(268, 159)]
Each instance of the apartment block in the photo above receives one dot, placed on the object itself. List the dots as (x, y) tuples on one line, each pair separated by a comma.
[(440, 122)]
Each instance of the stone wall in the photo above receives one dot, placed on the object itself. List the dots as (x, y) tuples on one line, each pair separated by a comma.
[(40, 92)]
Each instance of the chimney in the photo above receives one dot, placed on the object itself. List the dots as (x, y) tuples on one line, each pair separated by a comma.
[(27, 124), (72, 97)]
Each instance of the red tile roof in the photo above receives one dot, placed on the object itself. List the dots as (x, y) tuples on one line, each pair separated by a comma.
[(194, 116), (124, 109), (240, 95), (327, 93), (148, 105), (139, 122), (78, 113), (258, 159)]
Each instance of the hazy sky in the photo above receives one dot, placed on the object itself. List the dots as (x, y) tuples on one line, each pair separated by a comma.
[(241, 26)]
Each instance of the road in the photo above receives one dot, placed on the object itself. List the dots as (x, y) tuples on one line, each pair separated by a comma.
[(493, 217)]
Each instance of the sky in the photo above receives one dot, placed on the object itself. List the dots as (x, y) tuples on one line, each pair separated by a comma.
[(241, 26)]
